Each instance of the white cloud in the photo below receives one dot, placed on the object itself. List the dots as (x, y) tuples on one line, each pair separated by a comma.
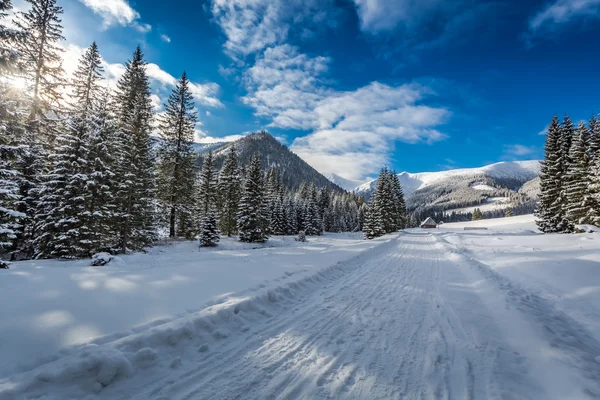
[(116, 12), (252, 25), (562, 12), (210, 139), (156, 102), (159, 75), (208, 114), (352, 131), (165, 38), (383, 15), (519, 150), (203, 93)]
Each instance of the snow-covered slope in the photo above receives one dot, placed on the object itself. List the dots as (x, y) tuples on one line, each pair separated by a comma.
[(344, 183), (522, 171), (462, 189)]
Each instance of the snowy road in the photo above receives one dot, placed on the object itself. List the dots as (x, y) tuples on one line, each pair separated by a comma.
[(412, 318), (410, 322)]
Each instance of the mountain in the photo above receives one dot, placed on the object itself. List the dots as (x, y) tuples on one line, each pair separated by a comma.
[(492, 187), (293, 169), (344, 183)]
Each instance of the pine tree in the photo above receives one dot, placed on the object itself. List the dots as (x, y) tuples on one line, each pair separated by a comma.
[(9, 55), (74, 207), (40, 62), (252, 221), (9, 188), (551, 208), (577, 180), (229, 192), (208, 185), (566, 139), (291, 216), (209, 232), (477, 215), (400, 204), (176, 166), (373, 225), (86, 84), (508, 212), (135, 170)]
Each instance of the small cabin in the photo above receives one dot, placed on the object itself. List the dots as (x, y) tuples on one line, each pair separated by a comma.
[(429, 223)]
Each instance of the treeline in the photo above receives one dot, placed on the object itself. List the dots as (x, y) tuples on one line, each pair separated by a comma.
[(570, 176), (386, 210), (78, 169)]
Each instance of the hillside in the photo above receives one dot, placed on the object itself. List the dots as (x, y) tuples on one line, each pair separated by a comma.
[(293, 169), (493, 187)]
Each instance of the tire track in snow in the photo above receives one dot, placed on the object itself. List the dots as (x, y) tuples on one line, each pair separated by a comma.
[(383, 330)]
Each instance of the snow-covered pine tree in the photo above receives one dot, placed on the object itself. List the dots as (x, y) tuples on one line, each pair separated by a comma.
[(313, 225), (551, 208), (229, 192), (74, 201), (567, 133), (252, 221), (40, 62), (278, 226), (373, 224), (291, 217), (362, 212), (594, 137), (209, 231), (9, 55), (577, 180), (208, 185), (9, 188), (384, 200), (136, 189), (176, 160), (101, 202), (399, 202)]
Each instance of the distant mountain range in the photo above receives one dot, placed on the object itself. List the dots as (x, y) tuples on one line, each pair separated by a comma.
[(492, 187)]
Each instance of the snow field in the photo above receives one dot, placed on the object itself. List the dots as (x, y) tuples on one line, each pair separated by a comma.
[(506, 313), (74, 372)]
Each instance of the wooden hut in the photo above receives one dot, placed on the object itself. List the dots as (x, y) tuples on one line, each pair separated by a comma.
[(429, 223)]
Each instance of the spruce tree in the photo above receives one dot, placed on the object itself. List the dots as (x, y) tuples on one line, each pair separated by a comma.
[(176, 165), (9, 189), (9, 55), (135, 175), (252, 221), (566, 139), (74, 207), (551, 208), (400, 204), (40, 62), (208, 185), (229, 192), (577, 180), (209, 231)]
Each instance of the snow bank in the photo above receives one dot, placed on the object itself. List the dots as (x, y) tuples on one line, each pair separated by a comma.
[(90, 368)]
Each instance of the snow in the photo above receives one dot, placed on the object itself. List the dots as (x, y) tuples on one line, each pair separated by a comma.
[(56, 304), (346, 184), (411, 182), (491, 204), (483, 187), (503, 313)]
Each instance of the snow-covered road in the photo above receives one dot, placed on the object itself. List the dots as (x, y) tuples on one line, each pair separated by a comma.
[(411, 318)]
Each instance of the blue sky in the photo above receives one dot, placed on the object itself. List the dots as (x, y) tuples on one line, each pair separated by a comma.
[(351, 85)]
